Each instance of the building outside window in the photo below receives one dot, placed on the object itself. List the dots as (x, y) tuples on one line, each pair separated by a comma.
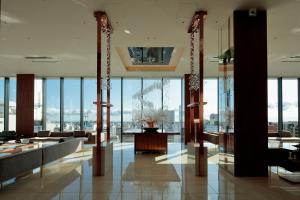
[(71, 104), (172, 105), (164, 95), (89, 108), (290, 105), (211, 118), (12, 104), (273, 105), (115, 110), (152, 102), (132, 110), (53, 105), (1, 104), (38, 105)]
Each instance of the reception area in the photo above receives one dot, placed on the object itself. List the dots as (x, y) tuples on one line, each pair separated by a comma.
[(149, 99)]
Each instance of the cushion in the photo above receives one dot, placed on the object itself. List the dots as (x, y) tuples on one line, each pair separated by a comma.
[(43, 134), (8, 133), (55, 134), (285, 134), (273, 134), (61, 134), (79, 134), (67, 134)]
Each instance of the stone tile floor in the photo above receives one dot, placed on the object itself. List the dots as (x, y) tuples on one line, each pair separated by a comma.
[(144, 176)]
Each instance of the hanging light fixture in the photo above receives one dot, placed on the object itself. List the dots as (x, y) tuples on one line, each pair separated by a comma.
[(108, 59), (194, 77), (106, 29)]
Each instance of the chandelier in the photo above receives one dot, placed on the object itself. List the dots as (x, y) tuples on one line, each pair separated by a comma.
[(108, 59), (194, 79), (106, 29)]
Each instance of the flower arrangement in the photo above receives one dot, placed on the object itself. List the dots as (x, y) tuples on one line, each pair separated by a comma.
[(146, 113)]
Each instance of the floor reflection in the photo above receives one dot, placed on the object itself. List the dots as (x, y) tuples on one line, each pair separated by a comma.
[(144, 176)]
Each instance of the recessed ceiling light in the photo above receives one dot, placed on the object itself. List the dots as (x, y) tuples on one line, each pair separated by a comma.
[(127, 31), (36, 58), (6, 19), (296, 30)]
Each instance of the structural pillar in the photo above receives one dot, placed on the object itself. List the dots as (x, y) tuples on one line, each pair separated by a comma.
[(187, 115), (25, 105), (250, 93), (97, 150), (200, 133), (200, 152)]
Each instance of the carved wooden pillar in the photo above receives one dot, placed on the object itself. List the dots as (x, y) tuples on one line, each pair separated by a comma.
[(195, 132), (97, 162), (197, 26), (201, 66), (104, 26), (187, 115)]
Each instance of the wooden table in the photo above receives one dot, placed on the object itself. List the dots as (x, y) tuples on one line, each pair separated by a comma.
[(151, 142)]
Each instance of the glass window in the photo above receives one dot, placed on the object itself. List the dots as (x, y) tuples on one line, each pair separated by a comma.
[(38, 105), (89, 108), (211, 119), (290, 105), (71, 104), (172, 104), (1, 104), (53, 105), (152, 101), (132, 110), (273, 105), (12, 103), (115, 111), (172, 107)]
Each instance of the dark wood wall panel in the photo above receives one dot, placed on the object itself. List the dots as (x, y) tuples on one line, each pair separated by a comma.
[(25, 105), (250, 93)]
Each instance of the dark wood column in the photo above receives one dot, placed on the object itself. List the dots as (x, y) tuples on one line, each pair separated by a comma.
[(195, 112), (191, 112), (187, 115), (250, 93), (200, 133), (25, 105), (97, 162)]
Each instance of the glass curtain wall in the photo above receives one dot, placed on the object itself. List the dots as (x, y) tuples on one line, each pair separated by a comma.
[(211, 119), (136, 106), (132, 108), (1, 104), (273, 105), (12, 104), (152, 103), (53, 105), (115, 110), (89, 106), (290, 105), (71, 104), (172, 106), (38, 105)]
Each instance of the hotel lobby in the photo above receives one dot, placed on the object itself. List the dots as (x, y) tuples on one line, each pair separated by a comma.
[(149, 99)]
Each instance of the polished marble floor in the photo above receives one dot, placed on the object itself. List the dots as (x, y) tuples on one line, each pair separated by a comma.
[(144, 176)]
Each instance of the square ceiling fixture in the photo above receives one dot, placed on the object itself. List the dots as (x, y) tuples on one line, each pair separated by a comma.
[(150, 55)]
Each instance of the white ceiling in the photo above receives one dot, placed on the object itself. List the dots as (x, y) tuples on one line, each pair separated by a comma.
[(66, 29)]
